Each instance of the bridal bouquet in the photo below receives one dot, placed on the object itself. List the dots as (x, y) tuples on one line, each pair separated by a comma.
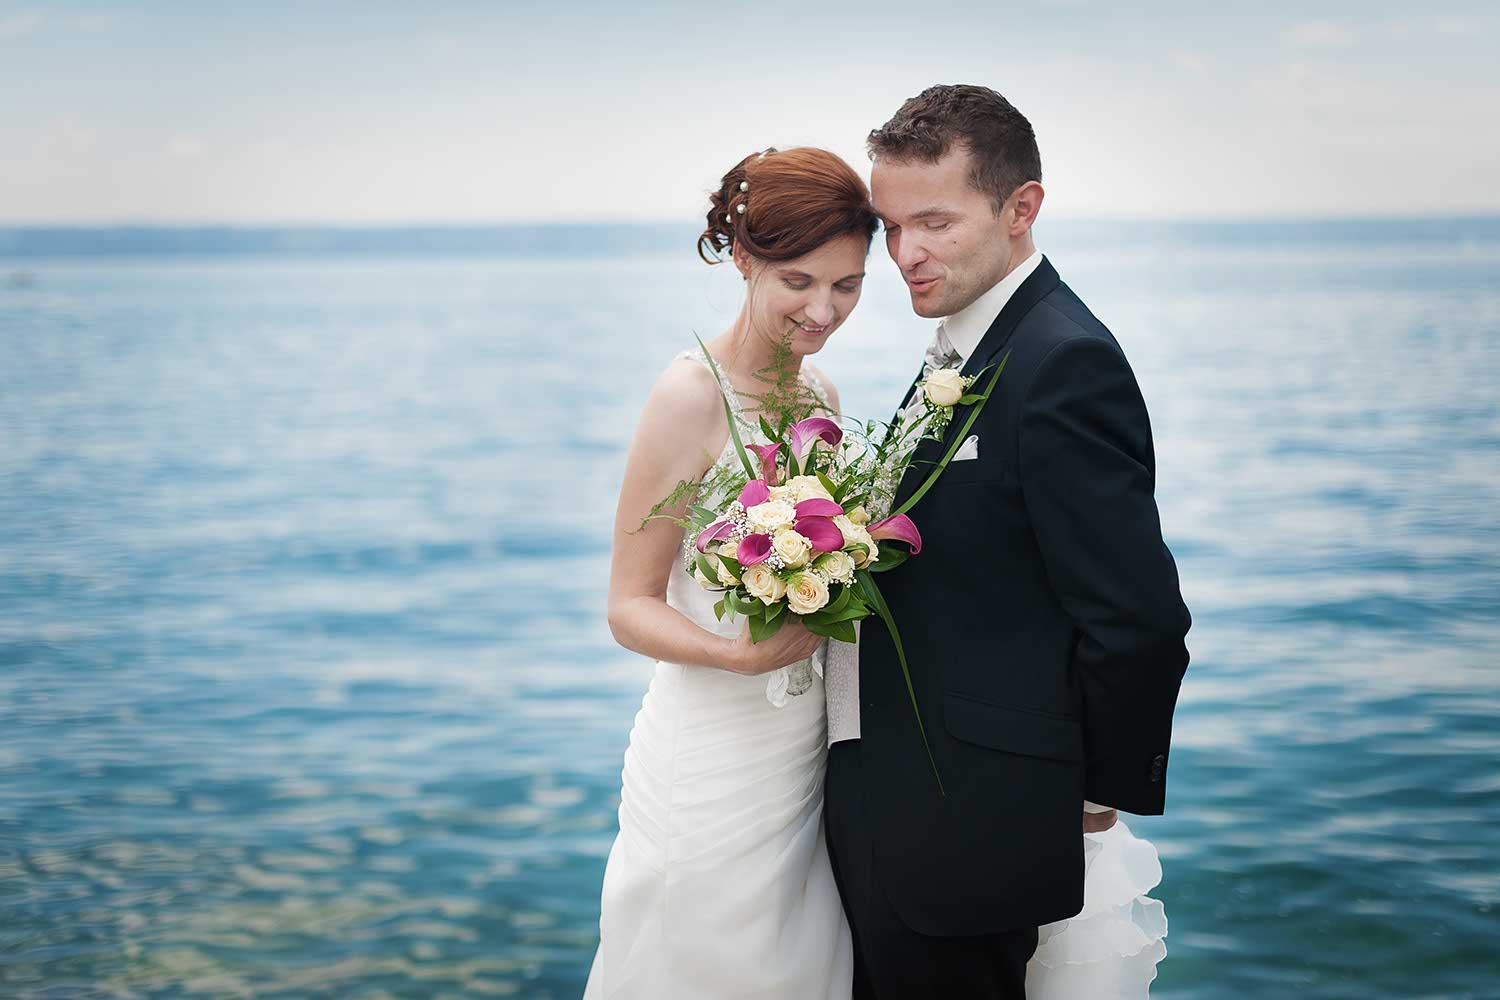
[(797, 539), (794, 536)]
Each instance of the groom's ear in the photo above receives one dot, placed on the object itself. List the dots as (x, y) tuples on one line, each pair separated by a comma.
[(1022, 207)]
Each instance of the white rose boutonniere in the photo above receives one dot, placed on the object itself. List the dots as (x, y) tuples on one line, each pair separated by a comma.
[(945, 387)]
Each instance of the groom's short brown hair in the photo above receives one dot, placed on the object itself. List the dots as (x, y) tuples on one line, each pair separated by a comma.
[(997, 136)]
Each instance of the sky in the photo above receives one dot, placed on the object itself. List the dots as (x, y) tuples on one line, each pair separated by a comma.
[(482, 113)]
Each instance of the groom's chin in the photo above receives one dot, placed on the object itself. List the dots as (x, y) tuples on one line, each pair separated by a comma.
[(926, 308)]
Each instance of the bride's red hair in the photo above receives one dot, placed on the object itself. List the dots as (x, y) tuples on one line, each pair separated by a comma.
[(794, 201)]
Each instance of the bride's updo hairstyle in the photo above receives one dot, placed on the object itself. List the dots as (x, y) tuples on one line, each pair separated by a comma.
[(784, 204)]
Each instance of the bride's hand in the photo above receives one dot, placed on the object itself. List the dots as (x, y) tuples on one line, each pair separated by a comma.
[(792, 643)]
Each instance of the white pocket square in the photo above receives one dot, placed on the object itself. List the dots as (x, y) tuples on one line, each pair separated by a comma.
[(969, 449)]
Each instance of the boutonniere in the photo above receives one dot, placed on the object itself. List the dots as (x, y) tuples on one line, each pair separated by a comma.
[(948, 386), (942, 390)]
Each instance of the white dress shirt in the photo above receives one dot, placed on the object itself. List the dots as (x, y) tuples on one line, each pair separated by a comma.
[(965, 329)]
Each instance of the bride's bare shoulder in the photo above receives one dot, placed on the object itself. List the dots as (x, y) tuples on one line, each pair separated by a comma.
[(685, 399)]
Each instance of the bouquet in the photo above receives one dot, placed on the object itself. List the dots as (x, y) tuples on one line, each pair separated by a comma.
[(796, 539), (794, 536)]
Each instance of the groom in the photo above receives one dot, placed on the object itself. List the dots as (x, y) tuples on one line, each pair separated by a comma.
[(1042, 622)]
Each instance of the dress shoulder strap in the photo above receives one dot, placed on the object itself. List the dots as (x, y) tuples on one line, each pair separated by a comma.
[(700, 355), (816, 384)]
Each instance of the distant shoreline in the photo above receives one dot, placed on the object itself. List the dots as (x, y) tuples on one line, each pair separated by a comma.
[(610, 240)]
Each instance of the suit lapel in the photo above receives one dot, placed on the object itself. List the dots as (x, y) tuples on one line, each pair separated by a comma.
[(1037, 286)]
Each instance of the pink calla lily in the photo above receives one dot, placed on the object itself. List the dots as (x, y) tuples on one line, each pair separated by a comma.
[(824, 535), (753, 549), (818, 507), (754, 494), (901, 529), (804, 434), (767, 454), (716, 532)]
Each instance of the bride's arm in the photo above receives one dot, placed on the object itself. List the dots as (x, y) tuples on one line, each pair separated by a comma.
[(673, 442)]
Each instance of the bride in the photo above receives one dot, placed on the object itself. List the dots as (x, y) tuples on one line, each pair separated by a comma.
[(719, 883)]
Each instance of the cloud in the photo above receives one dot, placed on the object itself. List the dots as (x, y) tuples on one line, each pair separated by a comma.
[(185, 147), (1321, 35), (21, 23)]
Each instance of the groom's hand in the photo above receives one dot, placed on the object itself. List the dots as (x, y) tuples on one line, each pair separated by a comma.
[(1099, 822)]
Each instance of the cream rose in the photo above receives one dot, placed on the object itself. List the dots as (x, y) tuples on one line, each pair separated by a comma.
[(853, 533), (763, 583), (726, 575), (859, 516), (809, 488), (806, 593), (838, 565), (771, 516), (944, 387), (703, 581), (856, 535), (791, 547)]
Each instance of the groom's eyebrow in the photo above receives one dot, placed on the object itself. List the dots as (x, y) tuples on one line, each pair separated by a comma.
[(934, 212)]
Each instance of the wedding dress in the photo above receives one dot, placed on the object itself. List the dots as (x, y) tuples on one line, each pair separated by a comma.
[(719, 885)]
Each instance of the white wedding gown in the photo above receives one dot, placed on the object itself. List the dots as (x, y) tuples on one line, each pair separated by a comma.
[(719, 887)]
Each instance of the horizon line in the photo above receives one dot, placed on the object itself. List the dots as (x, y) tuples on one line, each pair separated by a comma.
[(351, 225)]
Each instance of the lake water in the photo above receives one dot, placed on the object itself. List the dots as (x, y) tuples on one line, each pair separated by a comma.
[(305, 684)]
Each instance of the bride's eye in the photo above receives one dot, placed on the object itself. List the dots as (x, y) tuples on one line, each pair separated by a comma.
[(848, 288), (795, 284)]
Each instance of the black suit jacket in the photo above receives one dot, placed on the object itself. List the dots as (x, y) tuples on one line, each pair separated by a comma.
[(1044, 628)]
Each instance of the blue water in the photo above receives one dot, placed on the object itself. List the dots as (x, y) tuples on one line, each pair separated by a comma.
[(305, 685)]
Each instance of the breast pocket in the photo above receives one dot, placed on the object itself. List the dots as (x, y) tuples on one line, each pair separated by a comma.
[(976, 470)]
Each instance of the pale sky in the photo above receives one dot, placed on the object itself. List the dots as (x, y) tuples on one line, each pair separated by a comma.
[(471, 113)]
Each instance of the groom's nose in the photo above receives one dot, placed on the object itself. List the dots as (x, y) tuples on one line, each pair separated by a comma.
[(908, 252)]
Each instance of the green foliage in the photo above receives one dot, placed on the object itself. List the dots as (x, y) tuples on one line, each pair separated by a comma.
[(684, 492), (787, 398)]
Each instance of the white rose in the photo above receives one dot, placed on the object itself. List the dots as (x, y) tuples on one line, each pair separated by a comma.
[(791, 547), (809, 488), (854, 534), (703, 581), (838, 565), (859, 516), (784, 493), (846, 526), (944, 387), (763, 583), (726, 576), (806, 593), (771, 516)]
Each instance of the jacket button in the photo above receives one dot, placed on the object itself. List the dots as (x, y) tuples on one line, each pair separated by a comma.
[(1158, 764)]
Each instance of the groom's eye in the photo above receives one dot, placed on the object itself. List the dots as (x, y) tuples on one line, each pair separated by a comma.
[(938, 227)]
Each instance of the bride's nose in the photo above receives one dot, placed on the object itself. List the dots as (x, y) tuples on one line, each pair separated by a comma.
[(820, 311)]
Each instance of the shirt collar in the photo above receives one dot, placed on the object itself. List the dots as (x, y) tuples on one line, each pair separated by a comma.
[(967, 327)]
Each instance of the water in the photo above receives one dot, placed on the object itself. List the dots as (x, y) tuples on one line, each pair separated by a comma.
[(305, 685)]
